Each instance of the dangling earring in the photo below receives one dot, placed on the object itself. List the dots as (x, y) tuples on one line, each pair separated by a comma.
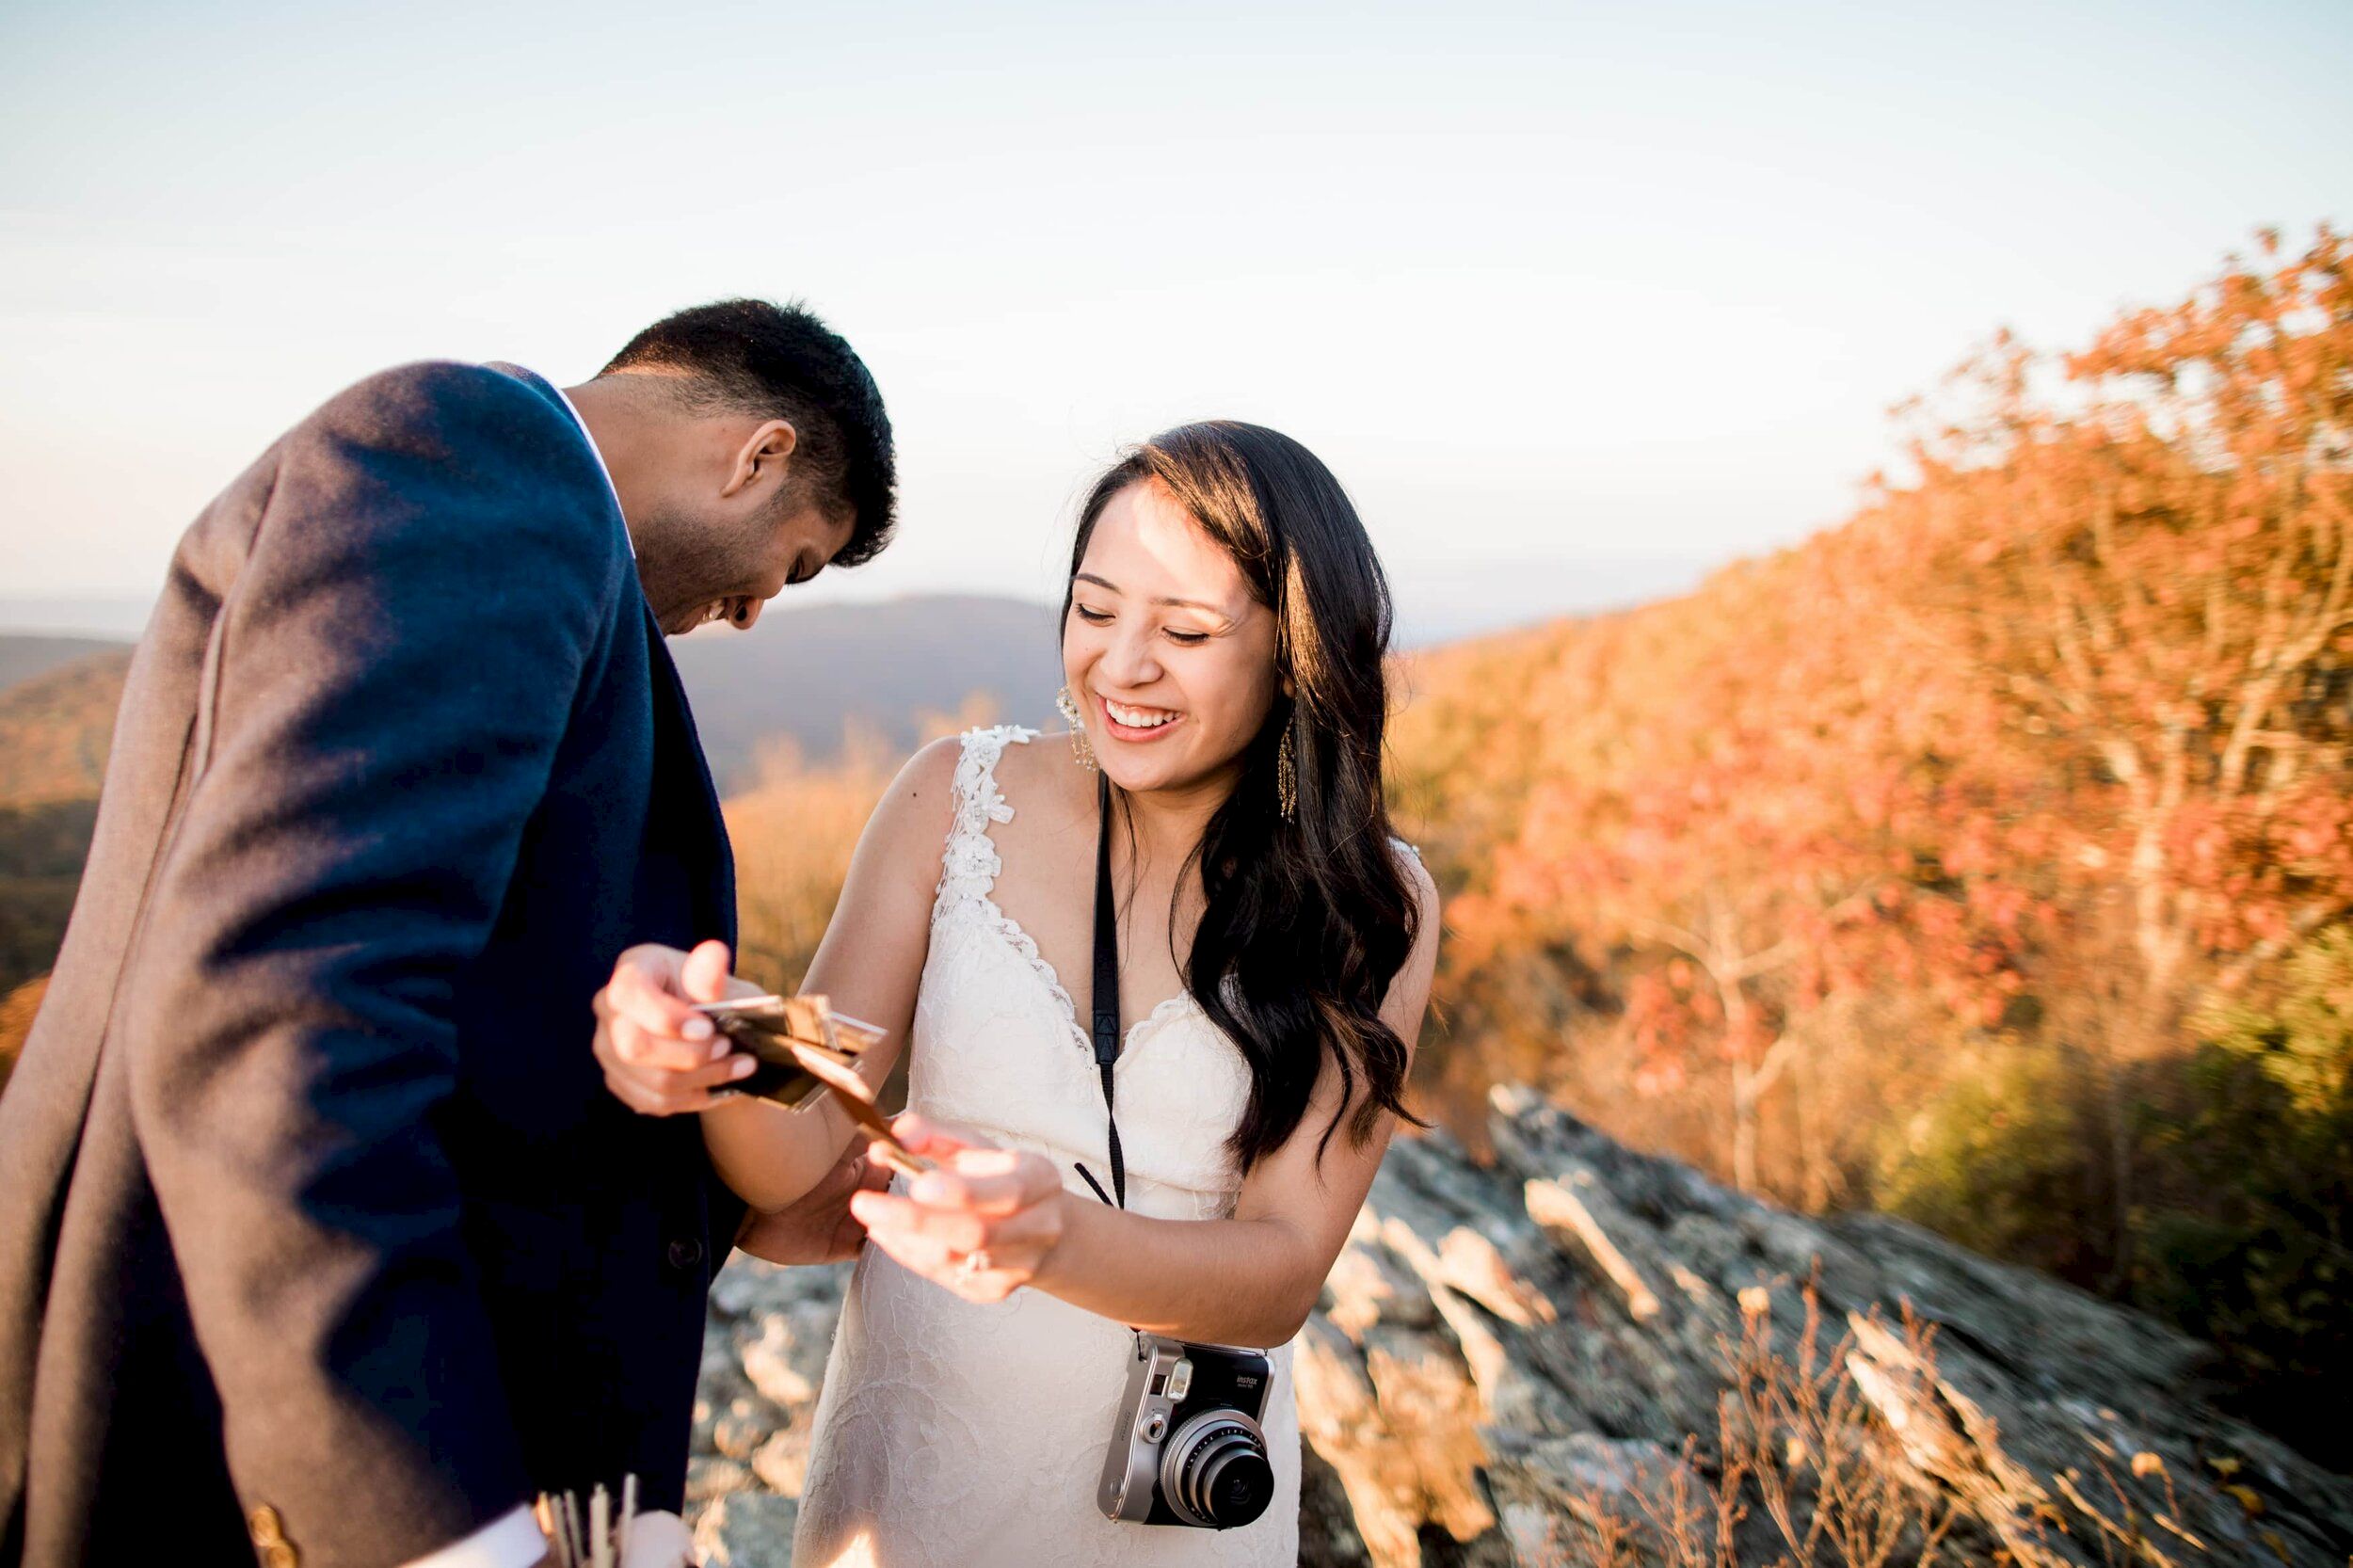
[(1287, 778), (1081, 746)]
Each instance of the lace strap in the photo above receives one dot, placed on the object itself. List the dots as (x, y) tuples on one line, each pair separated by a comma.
[(971, 866)]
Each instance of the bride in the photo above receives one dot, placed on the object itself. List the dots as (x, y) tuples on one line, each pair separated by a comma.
[(1223, 639)]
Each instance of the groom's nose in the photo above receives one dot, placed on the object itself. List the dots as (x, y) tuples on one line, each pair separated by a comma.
[(748, 610)]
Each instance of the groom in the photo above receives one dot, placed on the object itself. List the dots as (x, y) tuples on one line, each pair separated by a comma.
[(320, 1240)]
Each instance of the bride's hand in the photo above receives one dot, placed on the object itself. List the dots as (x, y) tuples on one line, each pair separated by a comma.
[(818, 1227), (661, 1057), (1003, 1203)]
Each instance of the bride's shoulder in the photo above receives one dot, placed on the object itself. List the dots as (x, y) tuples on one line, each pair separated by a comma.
[(972, 762), (918, 805), (1417, 878), (984, 770), (1043, 771), (960, 759)]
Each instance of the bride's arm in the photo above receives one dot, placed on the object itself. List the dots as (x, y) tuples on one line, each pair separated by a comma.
[(868, 965), (1250, 1280)]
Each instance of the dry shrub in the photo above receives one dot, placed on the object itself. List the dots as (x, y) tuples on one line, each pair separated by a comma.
[(1848, 1450), (1797, 1433), (794, 832), (16, 1021), (795, 829), (1804, 1471)]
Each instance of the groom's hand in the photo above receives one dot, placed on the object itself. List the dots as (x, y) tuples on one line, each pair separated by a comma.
[(819, 1227), (661, 1056), (1005, 1206)]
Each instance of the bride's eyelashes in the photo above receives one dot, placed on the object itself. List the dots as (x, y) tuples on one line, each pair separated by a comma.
[(1174, 634)]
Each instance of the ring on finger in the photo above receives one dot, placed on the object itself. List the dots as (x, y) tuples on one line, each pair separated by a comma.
[(975, 1262)]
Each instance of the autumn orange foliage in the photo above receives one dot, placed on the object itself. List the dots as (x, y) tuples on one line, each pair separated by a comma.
[(2039, 751), (2081, 682)]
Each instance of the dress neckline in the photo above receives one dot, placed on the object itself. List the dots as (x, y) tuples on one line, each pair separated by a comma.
[(978, 802), (1025, 946)]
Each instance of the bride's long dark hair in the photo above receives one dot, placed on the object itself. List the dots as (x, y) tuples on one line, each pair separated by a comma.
[(1308, 919)]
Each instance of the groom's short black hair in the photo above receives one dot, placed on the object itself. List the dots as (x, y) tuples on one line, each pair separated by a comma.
[(780, 361)]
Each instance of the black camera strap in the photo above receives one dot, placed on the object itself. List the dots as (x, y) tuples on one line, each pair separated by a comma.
[(1107, 1032)]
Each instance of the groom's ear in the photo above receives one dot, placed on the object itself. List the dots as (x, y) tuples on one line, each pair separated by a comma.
[(765, 456)]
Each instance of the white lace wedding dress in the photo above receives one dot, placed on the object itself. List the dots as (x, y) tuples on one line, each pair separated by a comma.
[(953, 1434)]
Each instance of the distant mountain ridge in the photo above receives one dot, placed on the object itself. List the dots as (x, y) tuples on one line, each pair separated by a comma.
[(29, 654), (805, 676), (808, 673), (57, 721), (802, 675)]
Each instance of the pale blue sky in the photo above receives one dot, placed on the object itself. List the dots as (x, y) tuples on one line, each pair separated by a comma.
[(1577, 298)]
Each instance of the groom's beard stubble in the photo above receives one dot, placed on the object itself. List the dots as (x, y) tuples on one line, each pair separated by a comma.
[(688, 576)]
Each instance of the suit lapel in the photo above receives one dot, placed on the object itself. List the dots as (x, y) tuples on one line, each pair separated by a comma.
[(679, 753)]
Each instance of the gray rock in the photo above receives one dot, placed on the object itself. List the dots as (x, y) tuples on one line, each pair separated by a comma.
[(711, 1477), (746, 1529), (1507, 1360)]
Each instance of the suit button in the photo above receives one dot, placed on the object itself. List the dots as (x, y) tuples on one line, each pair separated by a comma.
[(269, 1538), (685, 1252)]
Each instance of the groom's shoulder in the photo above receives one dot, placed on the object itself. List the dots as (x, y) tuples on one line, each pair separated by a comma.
[(470, 430), (425, 458), (448, 411), (443, 401)]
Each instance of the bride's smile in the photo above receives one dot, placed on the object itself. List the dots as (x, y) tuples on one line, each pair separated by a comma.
[(1174, 652), (1133, 723)]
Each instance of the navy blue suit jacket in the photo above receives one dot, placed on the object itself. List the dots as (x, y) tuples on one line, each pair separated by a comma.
[(311, 1198)]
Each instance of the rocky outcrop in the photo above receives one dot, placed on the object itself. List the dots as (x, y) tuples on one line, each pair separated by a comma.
[(1581, 1354)]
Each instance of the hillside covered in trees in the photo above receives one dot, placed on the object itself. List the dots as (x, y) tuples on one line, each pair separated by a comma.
[(55, 724), (1988, 859)]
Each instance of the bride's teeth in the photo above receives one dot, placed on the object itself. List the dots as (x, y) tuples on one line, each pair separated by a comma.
[(1137, 718)]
